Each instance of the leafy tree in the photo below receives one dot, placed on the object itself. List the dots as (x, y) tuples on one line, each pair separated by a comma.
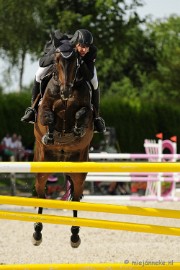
[(165, 82), (23, 32), (124, 50), (133, 56)]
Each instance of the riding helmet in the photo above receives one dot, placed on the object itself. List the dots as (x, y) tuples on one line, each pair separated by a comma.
[(83, 37)]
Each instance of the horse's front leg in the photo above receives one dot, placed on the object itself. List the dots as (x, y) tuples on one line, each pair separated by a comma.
[(78, 186), (47, 119), (41, 180), (46, 113), (48, 138), (81, 121)]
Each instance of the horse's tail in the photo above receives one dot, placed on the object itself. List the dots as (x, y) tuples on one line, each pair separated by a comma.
[(69, 188)]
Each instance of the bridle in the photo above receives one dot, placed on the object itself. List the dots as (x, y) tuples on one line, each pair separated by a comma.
[(68, 65)]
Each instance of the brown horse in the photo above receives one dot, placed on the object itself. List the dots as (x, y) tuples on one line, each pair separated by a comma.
[(64, 129)]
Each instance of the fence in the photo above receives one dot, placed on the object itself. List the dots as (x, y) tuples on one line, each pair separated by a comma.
[(154, 181), (105, 224), (136, 170)]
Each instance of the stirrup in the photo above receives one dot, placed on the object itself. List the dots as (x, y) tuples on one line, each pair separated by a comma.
[(29, 113)]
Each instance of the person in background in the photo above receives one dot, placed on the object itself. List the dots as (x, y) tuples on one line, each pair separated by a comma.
[(6, 152), (6, 141), (20, 150), (13, 146)]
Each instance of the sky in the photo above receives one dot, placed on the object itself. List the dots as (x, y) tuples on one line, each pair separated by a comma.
[(160, 8), (155, 8)]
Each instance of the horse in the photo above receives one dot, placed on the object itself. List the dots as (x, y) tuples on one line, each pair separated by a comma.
[(64, 129)]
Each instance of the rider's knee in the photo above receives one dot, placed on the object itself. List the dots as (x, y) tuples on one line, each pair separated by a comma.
[(94, 84), (40, 73)]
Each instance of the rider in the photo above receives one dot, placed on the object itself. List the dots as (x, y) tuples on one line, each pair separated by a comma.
[(82, 40)]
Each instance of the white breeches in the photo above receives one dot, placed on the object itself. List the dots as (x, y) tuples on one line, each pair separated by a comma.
[(94, 80), (41, 72)]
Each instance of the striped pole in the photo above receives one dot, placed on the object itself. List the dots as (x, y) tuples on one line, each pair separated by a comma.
[(112, 156), (107, 178), (76, 167)]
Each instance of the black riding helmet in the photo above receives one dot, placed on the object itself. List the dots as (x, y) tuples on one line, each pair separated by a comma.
[(83, 37)]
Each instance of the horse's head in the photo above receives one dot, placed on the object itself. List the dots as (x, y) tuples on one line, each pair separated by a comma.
[(67, 65)]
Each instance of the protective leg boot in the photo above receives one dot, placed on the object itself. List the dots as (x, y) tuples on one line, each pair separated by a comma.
[(99, 123), (29, 116)]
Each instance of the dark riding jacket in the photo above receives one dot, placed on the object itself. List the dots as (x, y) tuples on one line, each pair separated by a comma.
[(86, 69)]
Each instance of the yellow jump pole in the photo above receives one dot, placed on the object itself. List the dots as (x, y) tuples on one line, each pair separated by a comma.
[(93, 207), (91, 266), (103, 224), (75, 167)]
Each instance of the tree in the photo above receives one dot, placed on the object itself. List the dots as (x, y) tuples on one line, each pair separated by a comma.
[(166, 80), (23, 31), (29, 24)]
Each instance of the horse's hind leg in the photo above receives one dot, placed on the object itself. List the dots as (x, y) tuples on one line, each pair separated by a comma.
[(75, 239), (40, 189), (37, 235), (78, 185)]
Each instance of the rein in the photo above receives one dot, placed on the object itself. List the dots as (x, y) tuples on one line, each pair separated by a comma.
[(75, 79)]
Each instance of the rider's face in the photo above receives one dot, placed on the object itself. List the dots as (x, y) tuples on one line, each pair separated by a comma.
[(82, 50)]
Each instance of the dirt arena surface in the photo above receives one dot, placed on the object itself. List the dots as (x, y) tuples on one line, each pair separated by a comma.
[(97, 245)]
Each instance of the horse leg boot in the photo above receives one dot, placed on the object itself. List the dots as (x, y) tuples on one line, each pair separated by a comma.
[(78, 186), (38, 226), (37, 235), (99, 123), (29, 116), (75, 239)]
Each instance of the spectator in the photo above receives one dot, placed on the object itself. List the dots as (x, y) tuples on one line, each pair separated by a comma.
[(13, 146), (6, 148), (20, 150), (6, 141)]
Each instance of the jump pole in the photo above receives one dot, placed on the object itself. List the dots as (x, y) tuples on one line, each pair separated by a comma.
[(112, 156), (91, 266), (93, 207), (76, 167), (92, 223)]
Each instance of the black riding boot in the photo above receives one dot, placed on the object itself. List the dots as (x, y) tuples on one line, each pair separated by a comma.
[(99, 123), (29, 115)]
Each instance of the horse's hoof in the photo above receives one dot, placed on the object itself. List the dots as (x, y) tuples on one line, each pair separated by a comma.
[(36, 242), (76, 244)]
